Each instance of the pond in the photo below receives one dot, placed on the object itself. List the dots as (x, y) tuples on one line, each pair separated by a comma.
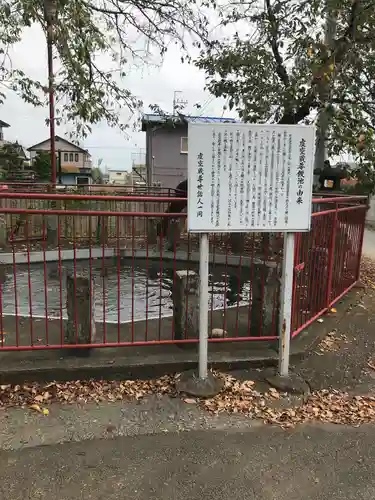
[(123, 296)]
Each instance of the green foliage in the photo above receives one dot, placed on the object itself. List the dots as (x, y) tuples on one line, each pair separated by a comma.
[(42, 166), (96, 42), (97, 175), (11, 160), (284, 68)]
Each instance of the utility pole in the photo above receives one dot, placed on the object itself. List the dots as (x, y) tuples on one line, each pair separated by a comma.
[(50, 11), (178, 102), (323, 118), (59, 164)]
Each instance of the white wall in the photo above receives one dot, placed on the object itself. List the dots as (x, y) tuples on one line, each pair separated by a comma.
[(370, 216), (118, 177)]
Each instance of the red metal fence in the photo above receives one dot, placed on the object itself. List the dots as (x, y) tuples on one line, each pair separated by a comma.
[(95, 189), (327, 259), (55, 245)]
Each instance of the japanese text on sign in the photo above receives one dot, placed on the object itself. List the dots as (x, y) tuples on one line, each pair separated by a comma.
[(250, 177)]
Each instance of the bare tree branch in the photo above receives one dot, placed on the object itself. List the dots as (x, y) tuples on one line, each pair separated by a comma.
[(273, 40)]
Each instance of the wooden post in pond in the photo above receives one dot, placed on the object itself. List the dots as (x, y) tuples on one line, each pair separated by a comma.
[(3, 231), (173, 234), (80, 306), (237, 241), (185, 305)]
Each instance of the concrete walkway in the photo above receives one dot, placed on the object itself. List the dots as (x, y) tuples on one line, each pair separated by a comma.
[(264, 463), (369, 244), (163, 448)]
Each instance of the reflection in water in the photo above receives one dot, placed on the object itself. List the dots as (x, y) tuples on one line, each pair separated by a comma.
[(122, 297)]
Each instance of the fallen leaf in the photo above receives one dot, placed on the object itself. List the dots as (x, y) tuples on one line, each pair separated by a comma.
[(371, 365), (190, 401), (333, 310), (45, 412), (274, 393), (36, 408), (320, 320)]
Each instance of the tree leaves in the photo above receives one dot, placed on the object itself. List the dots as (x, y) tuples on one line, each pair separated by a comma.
[(94, 42), (11, 159), (42, 166), (279, 72)]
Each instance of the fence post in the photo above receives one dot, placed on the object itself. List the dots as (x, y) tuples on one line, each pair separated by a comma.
[(331, 254), (286, 304)]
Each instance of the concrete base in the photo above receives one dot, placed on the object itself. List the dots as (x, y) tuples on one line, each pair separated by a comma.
[(293, 384), (78, 353), (191, 384)]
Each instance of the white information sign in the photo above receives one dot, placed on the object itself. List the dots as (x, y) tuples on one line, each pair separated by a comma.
[(245, 177)]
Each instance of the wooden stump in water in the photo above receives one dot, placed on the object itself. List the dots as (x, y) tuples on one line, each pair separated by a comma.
[(265, 288), (237, 241), (152, 237), (186, 305), (173, 234), (3, 232), (80, 327)]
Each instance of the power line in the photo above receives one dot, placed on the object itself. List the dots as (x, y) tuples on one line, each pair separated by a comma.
[(115, 147), (205, 104)]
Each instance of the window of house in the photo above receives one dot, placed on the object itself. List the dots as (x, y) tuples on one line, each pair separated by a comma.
[(82, 181), (70, 156), (76, 157), (66, 156), (184, 145)]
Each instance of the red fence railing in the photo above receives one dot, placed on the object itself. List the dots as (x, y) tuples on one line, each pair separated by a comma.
[(73, 263), (327, 259), (94, 189)]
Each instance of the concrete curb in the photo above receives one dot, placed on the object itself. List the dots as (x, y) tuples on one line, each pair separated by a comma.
[(38, 257)]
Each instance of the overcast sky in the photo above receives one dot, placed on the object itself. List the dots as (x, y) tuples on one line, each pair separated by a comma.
[(152, 85)]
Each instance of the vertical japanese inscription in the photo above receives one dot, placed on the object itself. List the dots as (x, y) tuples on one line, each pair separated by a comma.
[(225, 150), (249, 214), (277, 179), (213, 176), (242, 177), (254, 180), (289, 168), (265, 182), (230, 179), (272, 180), (237, 169), (218, 177), (259, 167), (200, 185), (301, 171)]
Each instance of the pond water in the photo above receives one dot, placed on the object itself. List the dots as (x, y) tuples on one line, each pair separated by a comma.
[(147, 287)]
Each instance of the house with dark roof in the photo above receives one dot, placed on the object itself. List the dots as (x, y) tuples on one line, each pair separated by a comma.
[(2, 126), (167, 146), (74, 166)]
